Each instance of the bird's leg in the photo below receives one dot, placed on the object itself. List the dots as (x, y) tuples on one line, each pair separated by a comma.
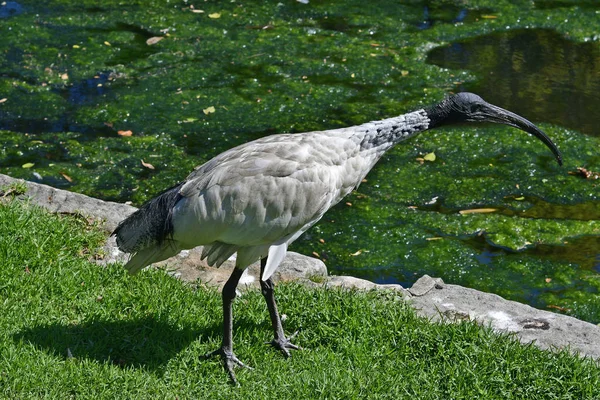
[(280, 341), (226, 350)]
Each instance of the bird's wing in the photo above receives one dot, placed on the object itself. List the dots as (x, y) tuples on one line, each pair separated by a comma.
[(262, 192)]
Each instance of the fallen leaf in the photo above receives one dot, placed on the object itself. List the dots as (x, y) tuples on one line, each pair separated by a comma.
[(124, 133), (107, 43), (147, 165), (154, 40), (76, 46), (189, 120), (3, 100), (548, 280), (321, 240), (404, 72), (209, 110), (356, 253), (214, 15), (67, 177), (489, 17), (558, 307), (434, 238), (478, 211), (520, 198), (28, 165), (198, 11), (429, 156), (64, 76)]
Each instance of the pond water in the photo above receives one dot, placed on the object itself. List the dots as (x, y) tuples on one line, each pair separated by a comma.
[(533, 72), (121, 101)]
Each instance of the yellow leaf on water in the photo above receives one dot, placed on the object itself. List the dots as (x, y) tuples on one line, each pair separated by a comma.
[(214, 15), (107, 43), (154, 40), (28, 165), (429, 156), (478, 211), (147, 165), (209, 110), (67, 177)]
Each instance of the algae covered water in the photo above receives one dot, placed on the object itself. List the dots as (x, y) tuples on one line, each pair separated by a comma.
[(121, 100)]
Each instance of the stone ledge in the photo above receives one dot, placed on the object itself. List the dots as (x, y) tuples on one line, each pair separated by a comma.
[(548, 330), (430, 297)]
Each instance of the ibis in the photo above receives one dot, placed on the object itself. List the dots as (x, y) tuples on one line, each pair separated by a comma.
[(255, 199)]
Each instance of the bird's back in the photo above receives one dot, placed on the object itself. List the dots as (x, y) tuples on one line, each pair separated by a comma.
[(263, 191)]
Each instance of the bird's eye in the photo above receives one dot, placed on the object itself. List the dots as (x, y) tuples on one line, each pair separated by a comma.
[(474, 108)]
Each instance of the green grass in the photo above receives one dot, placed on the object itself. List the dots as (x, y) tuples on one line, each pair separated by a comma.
[(72, 329)]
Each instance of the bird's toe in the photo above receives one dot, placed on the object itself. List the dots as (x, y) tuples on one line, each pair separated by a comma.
[(285, 344), (229, 360)]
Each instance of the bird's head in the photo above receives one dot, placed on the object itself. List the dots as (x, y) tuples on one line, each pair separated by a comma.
[(468, 107)]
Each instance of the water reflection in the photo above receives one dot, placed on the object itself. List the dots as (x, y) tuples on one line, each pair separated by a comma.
[(537, 73), (549, 4), (431, 13), (10, 9)]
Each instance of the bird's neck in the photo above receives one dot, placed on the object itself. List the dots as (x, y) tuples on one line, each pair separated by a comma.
[(379, 136)]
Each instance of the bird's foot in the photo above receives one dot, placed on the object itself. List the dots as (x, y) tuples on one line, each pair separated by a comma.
[(285, 344), (229, 361)]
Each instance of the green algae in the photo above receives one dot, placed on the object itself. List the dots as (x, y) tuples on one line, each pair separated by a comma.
[(74, 74)]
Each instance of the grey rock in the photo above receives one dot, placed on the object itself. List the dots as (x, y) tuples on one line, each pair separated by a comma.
[(62, 201), (425, 284), (350, 282), (189, 267), (547, 330)]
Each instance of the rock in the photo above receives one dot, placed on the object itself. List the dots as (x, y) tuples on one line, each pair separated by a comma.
[(62, 201), (425, 284), (442, 302), (189, 267), (350, 282)]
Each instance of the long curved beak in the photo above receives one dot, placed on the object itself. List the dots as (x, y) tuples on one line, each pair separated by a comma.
[(499, 115)]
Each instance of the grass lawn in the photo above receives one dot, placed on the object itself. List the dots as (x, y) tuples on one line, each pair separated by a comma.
[(72, 329)]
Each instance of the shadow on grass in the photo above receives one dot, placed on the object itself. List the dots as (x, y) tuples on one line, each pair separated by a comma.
[(147, 343)]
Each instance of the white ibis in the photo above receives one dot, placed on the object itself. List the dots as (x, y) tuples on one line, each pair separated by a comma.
[(257, 198)]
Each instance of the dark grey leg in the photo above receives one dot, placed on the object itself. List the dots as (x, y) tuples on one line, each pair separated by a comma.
[(226, 350), (279, 341)]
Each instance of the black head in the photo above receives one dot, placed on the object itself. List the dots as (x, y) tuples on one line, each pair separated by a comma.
[(468, 107)]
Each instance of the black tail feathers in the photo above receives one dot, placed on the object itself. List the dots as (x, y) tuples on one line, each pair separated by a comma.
[(151, 225)]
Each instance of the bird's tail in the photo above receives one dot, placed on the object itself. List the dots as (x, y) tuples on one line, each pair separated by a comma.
[(151, 255), (147, 232)]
